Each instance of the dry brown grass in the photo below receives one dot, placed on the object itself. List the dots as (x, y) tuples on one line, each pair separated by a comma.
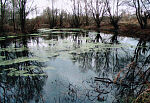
[(143, 97)]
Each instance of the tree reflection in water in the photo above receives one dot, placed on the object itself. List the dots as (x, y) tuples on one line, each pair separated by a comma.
[(20, 89), (123, 76)]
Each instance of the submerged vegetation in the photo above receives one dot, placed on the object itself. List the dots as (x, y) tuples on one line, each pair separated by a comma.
[(62, 56), (116, 70)]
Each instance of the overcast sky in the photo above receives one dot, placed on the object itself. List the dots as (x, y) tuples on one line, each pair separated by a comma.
[(43, 4), (60, 4)]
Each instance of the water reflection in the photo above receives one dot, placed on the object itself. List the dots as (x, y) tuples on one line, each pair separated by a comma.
[(83, 67), (133, 78), (19, 88)]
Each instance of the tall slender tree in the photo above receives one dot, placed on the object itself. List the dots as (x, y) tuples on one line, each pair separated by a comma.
[(22, 13), (76, 20), (113, 12), (2, 16), (98, 9), (14, 13), (141, 12), (52, 14), (86, 12)]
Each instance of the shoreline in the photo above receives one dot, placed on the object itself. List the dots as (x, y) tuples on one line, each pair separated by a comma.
[(127, 30), (130, 30)]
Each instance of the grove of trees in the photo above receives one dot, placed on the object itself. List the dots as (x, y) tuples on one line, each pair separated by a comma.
[(13, 14)]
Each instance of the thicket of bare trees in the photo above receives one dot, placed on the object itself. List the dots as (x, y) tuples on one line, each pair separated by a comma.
[(142, 11), (22, 13), (84, 12), (142, 7), (77, 12), (98, 9), (3, 11), (13, 13), (113, 11), (52, 15)]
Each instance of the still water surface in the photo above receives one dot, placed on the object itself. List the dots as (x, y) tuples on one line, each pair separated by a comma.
[(71, 66)]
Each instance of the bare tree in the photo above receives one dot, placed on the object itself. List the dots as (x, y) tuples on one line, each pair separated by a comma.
[(76, 22), (22, 13), (61, 17), (3, 8), (52, 19), (14, 5), (24, 10), (98, 9), (52, 14), (113, 12), (146, 4), (141, 12), (86, 13)]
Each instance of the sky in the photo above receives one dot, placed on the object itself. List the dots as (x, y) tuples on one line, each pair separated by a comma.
[(43, 4), (59, 4)]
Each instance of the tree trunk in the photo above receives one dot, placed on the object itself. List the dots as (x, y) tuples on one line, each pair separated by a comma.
[(23, 16), (2, 16), (13, 18)]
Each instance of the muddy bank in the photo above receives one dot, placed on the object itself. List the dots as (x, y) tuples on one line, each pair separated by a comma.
[(128, 30)]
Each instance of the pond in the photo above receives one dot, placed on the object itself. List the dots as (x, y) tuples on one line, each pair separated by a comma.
[(73, 66)]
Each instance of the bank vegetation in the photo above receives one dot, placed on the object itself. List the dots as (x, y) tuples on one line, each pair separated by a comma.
[(129, 17)]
